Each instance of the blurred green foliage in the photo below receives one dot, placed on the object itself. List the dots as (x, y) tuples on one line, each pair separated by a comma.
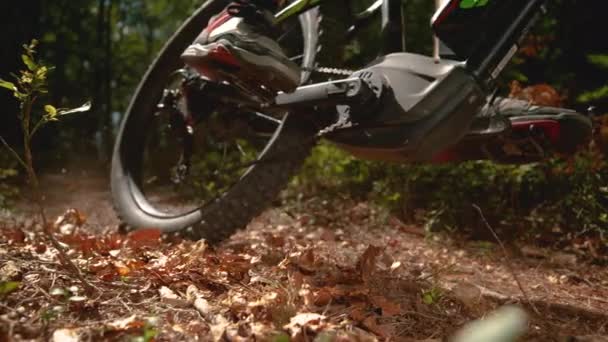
[(8, 179), (558, 197), (8, 191)]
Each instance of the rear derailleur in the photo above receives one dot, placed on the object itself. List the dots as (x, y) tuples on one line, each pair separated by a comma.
[(184, 111)]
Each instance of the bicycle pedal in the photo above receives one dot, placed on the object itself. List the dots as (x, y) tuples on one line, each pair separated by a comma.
[(488, 126), (250, 86)]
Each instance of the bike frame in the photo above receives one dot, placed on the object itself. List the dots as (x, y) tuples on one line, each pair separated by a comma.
[(392, 19), (486, 63), (430, 103)]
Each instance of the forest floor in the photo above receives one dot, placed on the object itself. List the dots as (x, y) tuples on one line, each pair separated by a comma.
[(325, 269)]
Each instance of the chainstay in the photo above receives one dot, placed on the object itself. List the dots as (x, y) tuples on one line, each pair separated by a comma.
[(341, 123), (281, 153)]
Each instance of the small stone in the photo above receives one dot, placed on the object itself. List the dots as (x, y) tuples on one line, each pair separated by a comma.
[(58, 292), (468, 294), (77, 299), (564, 259), (395, 265)]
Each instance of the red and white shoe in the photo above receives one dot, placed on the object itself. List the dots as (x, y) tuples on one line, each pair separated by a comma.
[(236, 43)]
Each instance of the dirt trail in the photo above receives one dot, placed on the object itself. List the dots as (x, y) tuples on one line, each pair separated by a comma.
[(570, 297), (82, 186)]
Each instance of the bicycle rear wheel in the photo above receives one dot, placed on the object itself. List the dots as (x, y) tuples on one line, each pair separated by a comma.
[(144, 190)]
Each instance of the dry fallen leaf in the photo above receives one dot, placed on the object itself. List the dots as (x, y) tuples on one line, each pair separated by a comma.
[(312, 322), (388, 307), (371, 324), (121, 268), (395, 265), (14, 236), (67, 229), (203, 306), (307, 261), (358, 314), (10, 271), (168, 296), (126, 324), (65, 335), (367, 262), (218, 327), (72, 217), (77, 299), (553, 279), (196, 297), (144, 238), (322, 297), (539, 94)]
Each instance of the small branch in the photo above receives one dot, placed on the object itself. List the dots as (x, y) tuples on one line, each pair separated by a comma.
[(508, 262), (13, 152), (64, 258), (37, 126)]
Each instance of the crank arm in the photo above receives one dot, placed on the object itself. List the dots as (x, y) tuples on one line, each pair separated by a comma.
[(340, 92)]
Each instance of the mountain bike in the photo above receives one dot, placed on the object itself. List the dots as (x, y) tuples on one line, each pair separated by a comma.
[(204, 158)]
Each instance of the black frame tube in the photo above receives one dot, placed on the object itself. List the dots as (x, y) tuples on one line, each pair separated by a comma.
[(392, 27), (480, 65), (502, 51)]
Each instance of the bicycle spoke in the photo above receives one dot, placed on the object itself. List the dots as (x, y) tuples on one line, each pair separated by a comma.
[(268, 118), (296, 58), (288, 31), (241, 150)]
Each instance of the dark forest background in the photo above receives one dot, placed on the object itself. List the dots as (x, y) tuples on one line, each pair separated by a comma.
[(99, 48)]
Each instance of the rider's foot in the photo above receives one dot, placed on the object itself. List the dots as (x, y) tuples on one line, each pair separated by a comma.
[(237, 41)]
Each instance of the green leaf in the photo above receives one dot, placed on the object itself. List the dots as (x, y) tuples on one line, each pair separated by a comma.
[(50, 110), (8, 85), (431, 296), (428, 299), (41, 73), (280, 338), (594, 95), (8, 287), (149, 333), (599, 60), (7, 173), (27, 60), (51, 115), (466, 4)]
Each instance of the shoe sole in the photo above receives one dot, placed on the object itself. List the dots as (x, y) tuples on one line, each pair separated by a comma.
[(251, 68)]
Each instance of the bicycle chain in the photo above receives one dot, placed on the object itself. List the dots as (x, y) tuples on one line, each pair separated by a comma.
[(343, 121), (330, 71)]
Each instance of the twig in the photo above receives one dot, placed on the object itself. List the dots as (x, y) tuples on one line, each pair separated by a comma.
[(47, 295), (435, 273), (125, 305), (507, 260), (423, 315), (63, 257), (13, 152)]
